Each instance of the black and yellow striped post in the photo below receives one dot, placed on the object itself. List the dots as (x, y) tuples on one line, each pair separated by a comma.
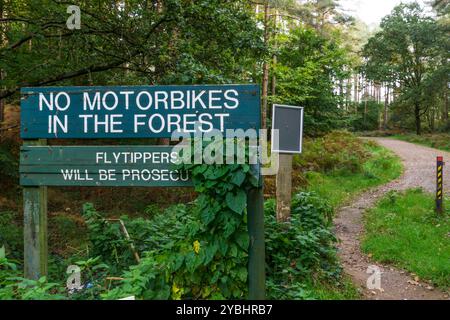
[(439, 185)]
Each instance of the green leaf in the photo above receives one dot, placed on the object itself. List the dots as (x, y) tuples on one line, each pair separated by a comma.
[(242, 274), (237, 202), (238, 178), (2, 252), (207, 215)]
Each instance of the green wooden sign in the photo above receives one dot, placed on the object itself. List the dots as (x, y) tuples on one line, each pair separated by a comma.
[(144, 166), (136, 111), (126, 112)]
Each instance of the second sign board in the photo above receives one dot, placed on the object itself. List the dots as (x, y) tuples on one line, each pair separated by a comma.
[(145, 166)]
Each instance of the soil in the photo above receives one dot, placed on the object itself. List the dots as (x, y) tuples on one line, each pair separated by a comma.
[(419, 171)]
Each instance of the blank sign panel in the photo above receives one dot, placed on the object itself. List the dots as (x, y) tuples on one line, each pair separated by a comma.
[(288, 120)]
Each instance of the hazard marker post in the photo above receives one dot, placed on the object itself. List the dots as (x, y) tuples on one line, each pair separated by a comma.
[(439, 185)]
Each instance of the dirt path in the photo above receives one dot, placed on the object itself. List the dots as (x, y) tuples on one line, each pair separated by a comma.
[(420, 166)]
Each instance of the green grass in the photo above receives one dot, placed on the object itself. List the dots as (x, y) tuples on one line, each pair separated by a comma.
[(338, 187), (345, 290), (404, 230), (439, 141)]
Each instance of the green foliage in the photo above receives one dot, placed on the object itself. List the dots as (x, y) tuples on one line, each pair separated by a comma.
[(93, 274), (136, 42), (302, 250), (180, 267), (438, 141), (337, 150), (205, 256), (107, 239), (11, 235), (207, 253), (339, 185), (9, 166), (411, 49), (14, 287), (367, 117), (308, 66), (404, 229)]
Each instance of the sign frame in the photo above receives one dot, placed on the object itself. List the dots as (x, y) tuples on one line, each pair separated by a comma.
[(135, 112), (274, 113), (101, 166), (35, 208)]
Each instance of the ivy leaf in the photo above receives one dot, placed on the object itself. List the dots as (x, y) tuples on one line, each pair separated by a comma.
[(242, 274), (242, 240), (191, 261), (238, 178), (210, 252), (237, 202), (178, 261), (199, 169), (207, 216)]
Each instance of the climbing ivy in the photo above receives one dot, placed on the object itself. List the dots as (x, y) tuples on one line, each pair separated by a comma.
[(210, 259)]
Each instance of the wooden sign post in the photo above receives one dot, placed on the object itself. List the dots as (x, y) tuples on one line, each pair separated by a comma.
[(35, 226), (125, 112), (287, 125)]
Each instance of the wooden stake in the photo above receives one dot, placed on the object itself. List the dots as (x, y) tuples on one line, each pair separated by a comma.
[(35, 227), (256, 250), (284, 187)]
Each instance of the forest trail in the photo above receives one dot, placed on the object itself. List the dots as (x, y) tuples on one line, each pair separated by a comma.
[(419, 171)]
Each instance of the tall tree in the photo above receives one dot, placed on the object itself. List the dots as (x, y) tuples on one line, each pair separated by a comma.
[(309, 67), (140, 42), (406, 50)]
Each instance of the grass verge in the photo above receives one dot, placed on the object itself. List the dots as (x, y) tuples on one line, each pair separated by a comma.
[(340, 186), (439, 141), (404, 230)]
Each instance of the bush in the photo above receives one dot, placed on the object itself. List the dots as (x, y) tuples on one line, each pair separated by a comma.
[(9, 166), (368, 116), (338, 150), (14, 287), (205, 256), (11, 235), (175, 266), (300, 251)]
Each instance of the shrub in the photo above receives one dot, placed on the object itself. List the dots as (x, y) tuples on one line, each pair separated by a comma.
[(11, 235), (176, 266), (14, 287), (300, 251), (338, 150), (204, 256)]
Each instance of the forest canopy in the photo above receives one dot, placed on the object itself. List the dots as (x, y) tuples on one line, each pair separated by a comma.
[(308, 53)]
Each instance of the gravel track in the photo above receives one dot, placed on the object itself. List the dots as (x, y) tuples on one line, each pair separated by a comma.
[(419, 171)]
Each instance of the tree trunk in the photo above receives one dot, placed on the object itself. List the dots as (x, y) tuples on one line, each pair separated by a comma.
[(417, 119), (2, 43), (355, 93), (265, 82), (274, 77), (431, 119), (365, 111), (2, 102), (386, 103), (348, 93), (445, 113)]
